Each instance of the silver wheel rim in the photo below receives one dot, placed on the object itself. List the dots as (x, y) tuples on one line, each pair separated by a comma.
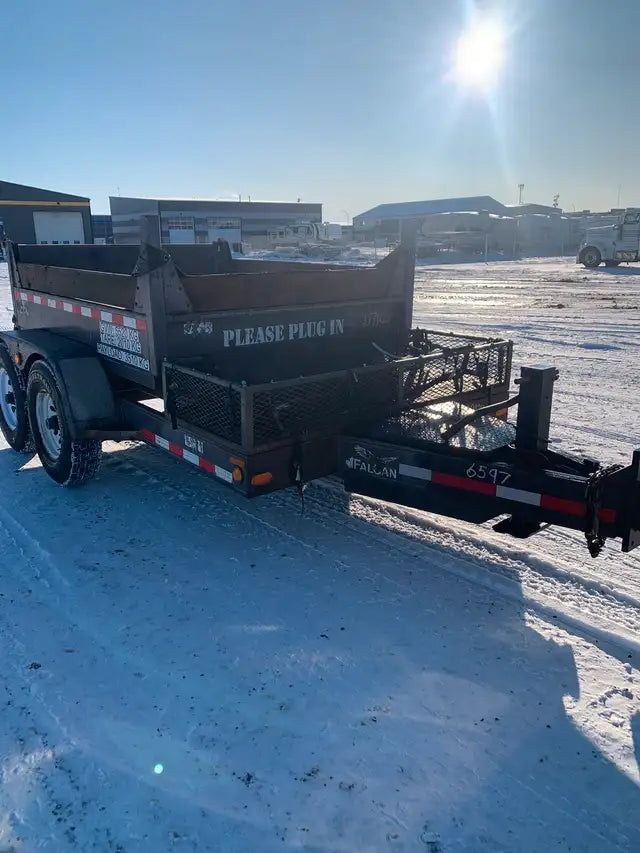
[(48, 424), (591, 258), (8, 400)]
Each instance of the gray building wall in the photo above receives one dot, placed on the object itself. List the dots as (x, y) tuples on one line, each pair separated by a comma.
[(253, 219), (385, 220), (102, 227), (19, 202)]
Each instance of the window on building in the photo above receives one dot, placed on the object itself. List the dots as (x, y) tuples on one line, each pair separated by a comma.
[(180, 223), (212, 222)]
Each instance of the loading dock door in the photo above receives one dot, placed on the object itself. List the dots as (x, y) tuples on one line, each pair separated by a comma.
[(58, 226)]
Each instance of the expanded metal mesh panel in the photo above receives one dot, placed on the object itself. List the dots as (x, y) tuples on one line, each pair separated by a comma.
[(198, 400), (321, 406), (313, 406), (452, 373), (425, 425)]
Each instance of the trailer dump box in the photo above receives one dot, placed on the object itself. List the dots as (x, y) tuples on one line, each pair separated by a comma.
[(263, 363), (268, 375)]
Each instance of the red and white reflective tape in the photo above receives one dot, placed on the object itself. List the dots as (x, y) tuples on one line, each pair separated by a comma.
[(482, 487), (187, 455), (72, 307)]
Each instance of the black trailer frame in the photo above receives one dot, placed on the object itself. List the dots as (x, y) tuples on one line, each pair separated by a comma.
[(498, 472), (272, 375)]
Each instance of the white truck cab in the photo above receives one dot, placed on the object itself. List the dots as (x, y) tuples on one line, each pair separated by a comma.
[(613, 243)]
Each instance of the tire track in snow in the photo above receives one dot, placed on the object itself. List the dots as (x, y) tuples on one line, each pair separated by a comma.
[(41, 784), (546, 584)]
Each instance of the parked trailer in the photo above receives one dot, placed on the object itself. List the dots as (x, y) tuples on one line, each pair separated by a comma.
[(269, 375)]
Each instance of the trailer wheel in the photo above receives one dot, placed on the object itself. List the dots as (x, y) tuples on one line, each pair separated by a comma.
[(591, 257), (14, 421), (68, 462)]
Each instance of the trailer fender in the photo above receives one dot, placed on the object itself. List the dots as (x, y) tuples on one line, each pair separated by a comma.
[(85, 388)]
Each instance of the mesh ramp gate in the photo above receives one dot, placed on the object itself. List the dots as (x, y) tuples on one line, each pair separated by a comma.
[(259, 417)]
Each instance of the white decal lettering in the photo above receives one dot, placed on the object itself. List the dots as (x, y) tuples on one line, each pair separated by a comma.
[(201, 327), (298, 331), (121, 337), (376, 468), (194, 444), (124, 356)]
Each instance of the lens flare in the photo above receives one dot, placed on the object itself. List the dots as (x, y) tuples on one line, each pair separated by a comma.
[(479, 55)]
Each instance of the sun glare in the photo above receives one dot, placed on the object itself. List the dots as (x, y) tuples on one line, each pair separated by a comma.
[(479, 56)]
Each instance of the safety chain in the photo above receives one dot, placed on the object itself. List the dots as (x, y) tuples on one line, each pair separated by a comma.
[(595, 486)]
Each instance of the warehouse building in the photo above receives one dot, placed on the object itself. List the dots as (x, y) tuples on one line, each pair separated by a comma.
[(205, 221), (33, 215), (102, 228), (385, 220)]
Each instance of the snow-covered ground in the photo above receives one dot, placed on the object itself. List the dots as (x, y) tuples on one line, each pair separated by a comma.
[(361, 255), (185, 670)]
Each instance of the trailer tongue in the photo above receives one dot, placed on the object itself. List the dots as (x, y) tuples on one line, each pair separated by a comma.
[(474, 466), (268, 375)]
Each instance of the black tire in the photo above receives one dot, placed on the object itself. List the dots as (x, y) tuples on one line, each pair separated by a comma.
[(74, 462), (591, 257), (612, 263), (17, 433)]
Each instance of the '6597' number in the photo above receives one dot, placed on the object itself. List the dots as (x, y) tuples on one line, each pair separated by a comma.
[(481, 472)]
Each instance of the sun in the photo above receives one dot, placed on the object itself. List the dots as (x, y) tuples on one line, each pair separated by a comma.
[(479, 56)]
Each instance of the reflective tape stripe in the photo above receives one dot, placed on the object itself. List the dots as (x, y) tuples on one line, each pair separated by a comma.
[(183, 453), (413, 471), (464, 483), (562, 505), (518, 495), (79, 308), (469, 484)]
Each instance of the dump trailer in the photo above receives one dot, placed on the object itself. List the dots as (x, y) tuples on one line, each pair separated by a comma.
[(268, 375)]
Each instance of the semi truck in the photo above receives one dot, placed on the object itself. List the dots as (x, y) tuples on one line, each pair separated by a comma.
[(612, 244), (268, 375)]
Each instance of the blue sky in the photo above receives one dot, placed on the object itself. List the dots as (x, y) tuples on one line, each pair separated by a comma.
[(346, 102)]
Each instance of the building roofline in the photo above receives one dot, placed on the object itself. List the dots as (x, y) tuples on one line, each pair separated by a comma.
[(213, 200), (407, 206), (65, 196)]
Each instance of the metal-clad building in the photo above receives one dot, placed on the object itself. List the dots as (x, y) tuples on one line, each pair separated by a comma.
[(207, 220), (528, 207), (34, 215), (102, 228), (384, 220)]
